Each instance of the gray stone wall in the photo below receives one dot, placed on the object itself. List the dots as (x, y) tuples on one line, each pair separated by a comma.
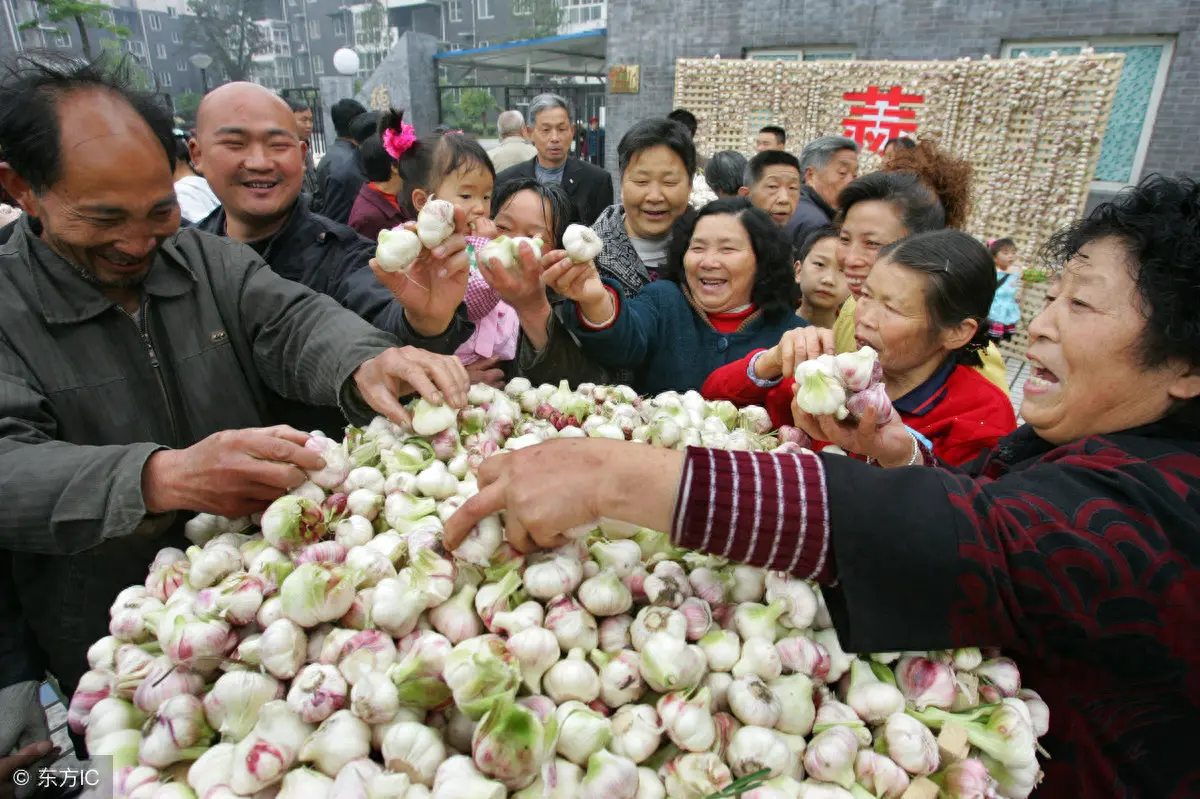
[(410, 78), (655, 34)]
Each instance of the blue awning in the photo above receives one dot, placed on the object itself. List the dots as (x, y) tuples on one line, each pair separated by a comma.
[(582, 54)]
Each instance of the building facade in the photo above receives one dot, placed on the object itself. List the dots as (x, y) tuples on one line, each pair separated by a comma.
[(1153, 120)]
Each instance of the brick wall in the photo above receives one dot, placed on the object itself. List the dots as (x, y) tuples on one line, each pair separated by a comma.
[(655, 34)]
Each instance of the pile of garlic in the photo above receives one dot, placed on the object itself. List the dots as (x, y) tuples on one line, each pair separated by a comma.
[(332, 649)]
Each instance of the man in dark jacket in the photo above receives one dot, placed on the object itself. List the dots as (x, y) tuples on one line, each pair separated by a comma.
[(137, 359), (589, 187), (340, 173), (827, 165), (255, 163)]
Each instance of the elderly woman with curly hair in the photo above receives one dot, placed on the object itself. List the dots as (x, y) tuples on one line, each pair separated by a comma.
[(1074, 545), (728, 290)]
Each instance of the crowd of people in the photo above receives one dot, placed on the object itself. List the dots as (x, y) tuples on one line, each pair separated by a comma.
[(176, 311)]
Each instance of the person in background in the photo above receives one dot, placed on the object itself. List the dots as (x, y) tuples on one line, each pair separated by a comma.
[(513, 148), (656, 159), (827, 165), (1072, 546), (595, 142), (895, 145), (770, 137), (247, 143), (196, 198), (772, 182), (304, 123), (340, 174), (728, 290), (923, 308), (1006, 310), (137, 359), (550, 129), (726, 173), (821, 278), (378, 205)]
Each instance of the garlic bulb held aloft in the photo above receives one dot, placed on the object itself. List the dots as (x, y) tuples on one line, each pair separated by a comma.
[(581, 243), (397, 249), (435, 222)]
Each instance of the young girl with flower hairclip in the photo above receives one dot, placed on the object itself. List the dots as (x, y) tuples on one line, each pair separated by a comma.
[(454, 167)]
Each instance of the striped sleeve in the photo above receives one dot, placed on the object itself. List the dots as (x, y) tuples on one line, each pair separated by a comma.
[(757, 508)]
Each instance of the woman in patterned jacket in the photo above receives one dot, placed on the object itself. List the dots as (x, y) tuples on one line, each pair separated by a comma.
[(1074, 545)]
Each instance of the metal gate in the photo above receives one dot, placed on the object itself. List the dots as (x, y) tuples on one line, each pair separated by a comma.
[(586, 101), (310, 96)]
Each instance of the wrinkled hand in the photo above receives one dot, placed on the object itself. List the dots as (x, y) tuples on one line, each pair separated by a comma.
[(434, 286), (890, 444), (796, 346), (578, 282), (522, 287), (231, 473), (486, 371), (483, 228), (24, 759), (401, 371)]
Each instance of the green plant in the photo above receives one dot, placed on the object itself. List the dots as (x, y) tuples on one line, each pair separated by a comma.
[(470, 110), (84, 14), (1035, 275)]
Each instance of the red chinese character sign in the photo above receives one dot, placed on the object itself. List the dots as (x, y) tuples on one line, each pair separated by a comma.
[(877, 116)]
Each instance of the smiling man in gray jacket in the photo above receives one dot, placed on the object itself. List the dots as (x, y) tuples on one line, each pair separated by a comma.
[(145, 370)]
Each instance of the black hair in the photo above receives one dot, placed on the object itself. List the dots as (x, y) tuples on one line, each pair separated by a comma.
[(1157, 223), (779, 133), (725, 172), (298, 105), (919, 208), (343, 113), (996, 245), (364, 126), (775, 291), (562, 210), (377, 163), (686, 118), (660, 132), (431, 159), (814, 238), (182, 155), (759, 163), (31, 86), (903, 142), (960, 282)]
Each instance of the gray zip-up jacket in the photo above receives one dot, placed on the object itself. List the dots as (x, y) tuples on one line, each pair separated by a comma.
[(87, 393)]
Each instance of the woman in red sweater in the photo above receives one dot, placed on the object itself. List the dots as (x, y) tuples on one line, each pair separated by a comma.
[(924, 309)]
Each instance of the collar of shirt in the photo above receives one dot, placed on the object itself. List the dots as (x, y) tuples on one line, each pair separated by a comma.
[(391, 198), (925, 397), (549, 175)]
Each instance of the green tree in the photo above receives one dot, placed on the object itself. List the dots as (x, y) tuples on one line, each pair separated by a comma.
[(470, 110), (545, 18), (186, 104), (225, 30), (140, 76), (84, 14)]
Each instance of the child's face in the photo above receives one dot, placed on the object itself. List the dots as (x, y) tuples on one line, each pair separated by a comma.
[(822, 279), (1005, 257), (469, 189)]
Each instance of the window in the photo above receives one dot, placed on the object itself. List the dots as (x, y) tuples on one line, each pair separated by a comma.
[(454, 48), (164, 80), (483, 9), (181, 66), (300, 67), (318, 65), (155, 22), (171, 11), (802, 54), (314, 29), (454, 10), (160, 51), (136, 48), (339, 26), (110, 18), (34, 38), (175, 37), (484, 43), (522, 8), (62, 39), (582, 13), (1135, 106)]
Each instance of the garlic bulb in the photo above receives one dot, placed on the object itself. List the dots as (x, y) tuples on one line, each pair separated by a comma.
[(340, 739), (553, 577), (609, 776), (605, 595), (755, 748), (688, 722), (652, 619), (572, 678), (581, 731), (722, 649), (414, 750), (670, 663), (753, 702), (636, 733), (759, 658)]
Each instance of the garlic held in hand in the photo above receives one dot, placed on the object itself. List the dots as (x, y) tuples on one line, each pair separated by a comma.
[(397, 249), (507, 250), (435, 222), (581, 243), (820, 391)]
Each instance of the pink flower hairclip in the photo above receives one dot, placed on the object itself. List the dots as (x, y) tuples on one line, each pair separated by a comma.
[(396, 144)]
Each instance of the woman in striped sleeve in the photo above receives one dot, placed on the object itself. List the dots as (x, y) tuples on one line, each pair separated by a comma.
[(1074, 545)]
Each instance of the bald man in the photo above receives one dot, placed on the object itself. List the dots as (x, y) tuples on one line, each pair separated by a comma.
[(143, 368), (249, 148)]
